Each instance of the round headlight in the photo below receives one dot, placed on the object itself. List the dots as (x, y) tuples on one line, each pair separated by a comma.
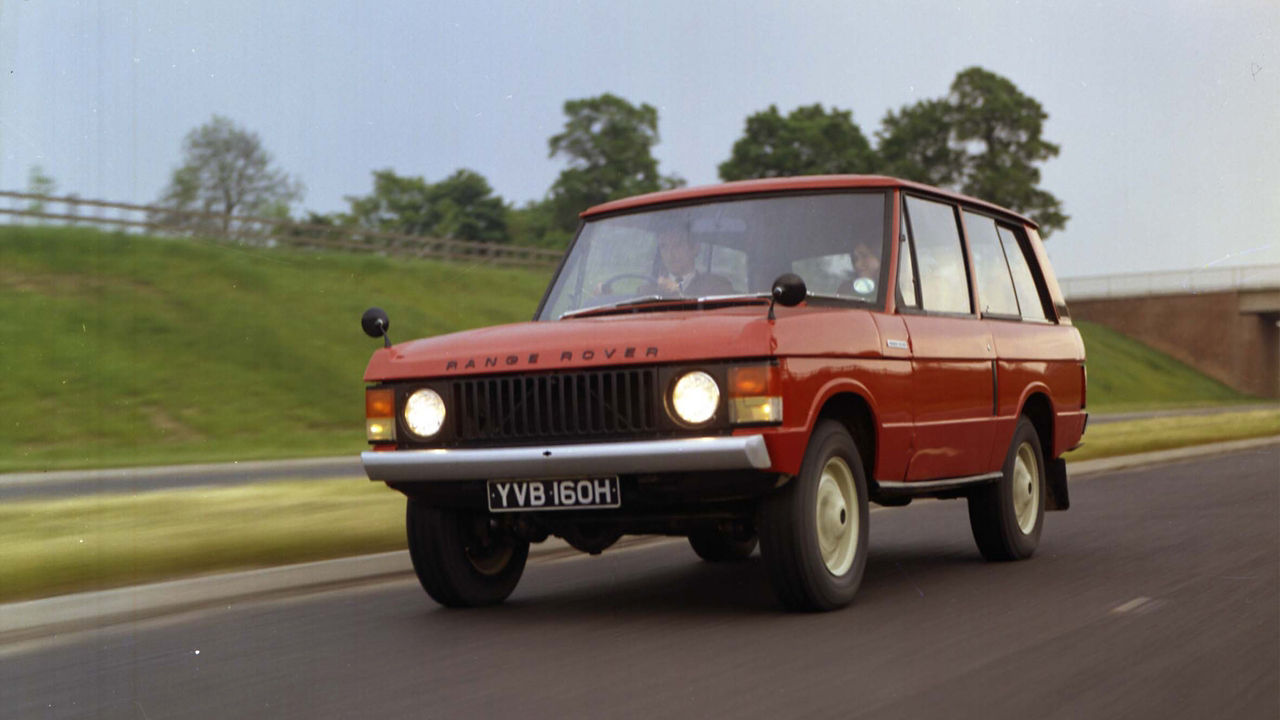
[(695, 397), (424, 412)]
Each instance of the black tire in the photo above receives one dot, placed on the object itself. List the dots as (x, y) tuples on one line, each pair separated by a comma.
[(716, 546), (1002, 533), (789, 526), (455, 562)]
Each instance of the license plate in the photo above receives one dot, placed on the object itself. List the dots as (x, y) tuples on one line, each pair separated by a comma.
[(569, 494)]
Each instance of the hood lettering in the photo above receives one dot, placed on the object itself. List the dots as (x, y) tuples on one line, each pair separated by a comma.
[(586, 355)]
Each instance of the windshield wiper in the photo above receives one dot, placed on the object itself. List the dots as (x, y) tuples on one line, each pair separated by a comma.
[(634, 303)]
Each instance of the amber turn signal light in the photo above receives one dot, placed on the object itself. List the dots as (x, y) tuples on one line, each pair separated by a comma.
[(749, 380), (379, 414), (379, 403), (754, 395)]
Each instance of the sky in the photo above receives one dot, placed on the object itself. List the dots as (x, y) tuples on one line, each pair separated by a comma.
[(1168, 114)]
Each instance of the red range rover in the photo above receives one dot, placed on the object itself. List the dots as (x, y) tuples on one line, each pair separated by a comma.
[(742, 364)]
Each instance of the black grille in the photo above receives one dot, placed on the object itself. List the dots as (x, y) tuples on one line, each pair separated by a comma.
[(564, 405)]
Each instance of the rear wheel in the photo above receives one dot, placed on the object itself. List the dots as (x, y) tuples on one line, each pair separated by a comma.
[(459, 559), (813, 531), (1007, 516), (716, 545)]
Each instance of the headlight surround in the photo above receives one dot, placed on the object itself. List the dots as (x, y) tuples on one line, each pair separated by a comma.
[(695, 397), (424, 412)]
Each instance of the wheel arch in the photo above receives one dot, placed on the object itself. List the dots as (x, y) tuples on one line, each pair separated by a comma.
[(851, 407), (1038, 408)]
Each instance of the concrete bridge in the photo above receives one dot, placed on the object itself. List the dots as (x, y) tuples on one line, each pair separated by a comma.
[(1225, 322)]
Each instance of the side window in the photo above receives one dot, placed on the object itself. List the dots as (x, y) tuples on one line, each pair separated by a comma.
[(906, 270), (1030, 298), (944, 284), (995, 287)]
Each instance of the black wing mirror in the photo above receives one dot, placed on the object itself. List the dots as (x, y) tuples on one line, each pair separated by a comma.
[(788, 291), (375, 323)]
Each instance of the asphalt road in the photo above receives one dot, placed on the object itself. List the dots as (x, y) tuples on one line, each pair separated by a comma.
[(1156, 596)]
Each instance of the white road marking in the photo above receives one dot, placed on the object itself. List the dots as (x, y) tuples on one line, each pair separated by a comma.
[(1131, 605)]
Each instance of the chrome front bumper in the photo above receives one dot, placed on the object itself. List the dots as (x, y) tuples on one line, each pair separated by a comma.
[(746, 452)]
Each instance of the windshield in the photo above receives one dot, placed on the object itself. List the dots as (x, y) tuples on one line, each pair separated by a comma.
[(834, 241)]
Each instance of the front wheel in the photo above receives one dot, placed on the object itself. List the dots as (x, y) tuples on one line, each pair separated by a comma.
[(813, 531), (1007, 516), (459, 559)]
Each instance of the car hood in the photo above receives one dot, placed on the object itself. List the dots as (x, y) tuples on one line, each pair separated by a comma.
[(632, 339)]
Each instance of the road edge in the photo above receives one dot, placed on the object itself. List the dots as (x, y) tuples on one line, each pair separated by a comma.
[(46, 617)]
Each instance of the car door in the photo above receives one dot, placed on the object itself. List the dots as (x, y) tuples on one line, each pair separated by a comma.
[(953, 361)]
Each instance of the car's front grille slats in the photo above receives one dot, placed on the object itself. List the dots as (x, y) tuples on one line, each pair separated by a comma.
[(590, 403)]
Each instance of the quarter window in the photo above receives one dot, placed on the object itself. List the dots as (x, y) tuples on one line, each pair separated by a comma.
[(1029, 297), (906, 270), (995, 287), (944, 284)]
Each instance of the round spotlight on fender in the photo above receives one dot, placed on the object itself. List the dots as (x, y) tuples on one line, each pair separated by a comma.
[(424, 412), (695, 397)]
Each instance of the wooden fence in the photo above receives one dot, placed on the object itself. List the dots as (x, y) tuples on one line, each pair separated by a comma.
[(262, 231)]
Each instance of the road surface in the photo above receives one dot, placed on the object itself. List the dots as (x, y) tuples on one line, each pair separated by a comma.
[(1155, 596)]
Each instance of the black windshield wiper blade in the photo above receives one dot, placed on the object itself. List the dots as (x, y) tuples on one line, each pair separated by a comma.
[(645, 300), (695, 302)]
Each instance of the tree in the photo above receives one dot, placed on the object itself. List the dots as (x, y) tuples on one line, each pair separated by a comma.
[(461, 207), (609, 143), (39, 183), (808, 141), (915, 144), (983, 139), (226, 170), (1001, 130)]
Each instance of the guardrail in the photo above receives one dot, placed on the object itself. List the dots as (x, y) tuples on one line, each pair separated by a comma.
[(1178, 282), (263, 231)]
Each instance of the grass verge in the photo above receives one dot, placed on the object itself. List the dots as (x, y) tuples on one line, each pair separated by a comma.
[(49, 547), (1150, 434)]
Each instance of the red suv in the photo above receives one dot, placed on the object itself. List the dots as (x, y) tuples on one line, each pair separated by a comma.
[(744, 363)]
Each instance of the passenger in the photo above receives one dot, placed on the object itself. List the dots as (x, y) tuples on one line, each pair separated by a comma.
[(866, 272)]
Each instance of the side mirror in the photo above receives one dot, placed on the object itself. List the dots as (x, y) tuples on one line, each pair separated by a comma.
[(375, 324), (789, 290)]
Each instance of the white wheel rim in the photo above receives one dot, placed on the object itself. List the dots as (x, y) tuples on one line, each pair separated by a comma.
[(1026, 488), (837, 516)]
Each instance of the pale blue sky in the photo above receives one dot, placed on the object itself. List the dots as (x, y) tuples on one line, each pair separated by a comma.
[(1168, 114)]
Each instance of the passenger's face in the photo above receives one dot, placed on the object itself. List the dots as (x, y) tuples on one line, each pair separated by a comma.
[(677, 253), (865, 262)]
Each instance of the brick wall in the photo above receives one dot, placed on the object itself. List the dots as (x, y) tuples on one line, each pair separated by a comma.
[(1207, 331)]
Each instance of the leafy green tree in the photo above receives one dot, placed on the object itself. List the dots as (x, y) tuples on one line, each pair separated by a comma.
[(534, 223), (226, 170), (807, 141), (983, 139), (915, 143), (39, 183), (461, 207), (1000, 128), (609, 144)]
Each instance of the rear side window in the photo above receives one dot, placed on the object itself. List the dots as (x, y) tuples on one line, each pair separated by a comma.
[(944, 284), (995, 287), (1030, 299)]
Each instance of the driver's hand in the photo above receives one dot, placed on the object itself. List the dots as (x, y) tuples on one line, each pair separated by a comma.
[(668, 284)]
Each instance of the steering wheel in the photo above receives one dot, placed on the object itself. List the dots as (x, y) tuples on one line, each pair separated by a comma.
[(606, 287)]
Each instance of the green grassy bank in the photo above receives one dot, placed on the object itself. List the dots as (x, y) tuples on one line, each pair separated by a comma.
[(121, 350)]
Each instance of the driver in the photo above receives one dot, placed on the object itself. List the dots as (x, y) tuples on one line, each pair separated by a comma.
[(680, 277)]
